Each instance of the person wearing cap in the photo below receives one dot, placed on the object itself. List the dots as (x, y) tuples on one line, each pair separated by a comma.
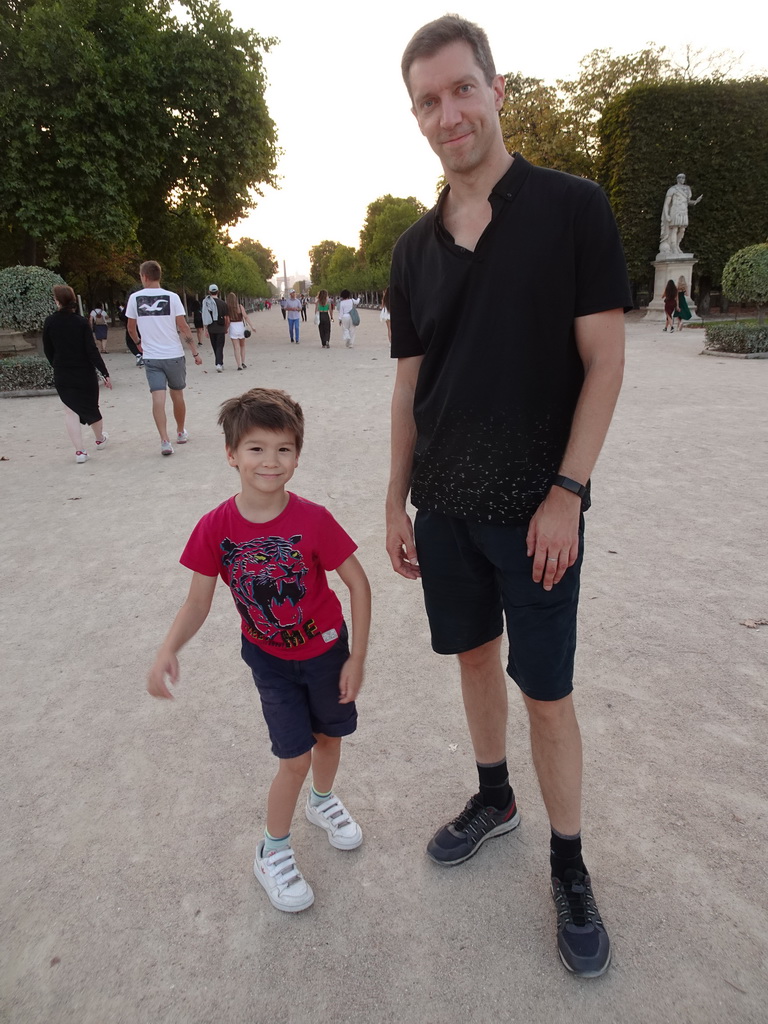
[(215, 318), (293, 316)]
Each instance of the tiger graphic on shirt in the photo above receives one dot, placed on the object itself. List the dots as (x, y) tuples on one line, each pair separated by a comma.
[(266, 577)]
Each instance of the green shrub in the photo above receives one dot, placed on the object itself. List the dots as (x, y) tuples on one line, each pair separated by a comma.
[(745, 277), (25, 373), (736, 338), (26, 297)]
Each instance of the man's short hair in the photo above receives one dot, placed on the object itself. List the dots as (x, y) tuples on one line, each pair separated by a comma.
[(267, 408), (436, 35), (151, 269)]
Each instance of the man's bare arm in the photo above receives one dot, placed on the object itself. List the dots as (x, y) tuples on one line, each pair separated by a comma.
[(400, 544), (186, 333), (133, 331), (553, 539)]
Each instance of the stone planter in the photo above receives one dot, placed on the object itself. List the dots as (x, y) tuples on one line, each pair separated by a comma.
[(13, 343)]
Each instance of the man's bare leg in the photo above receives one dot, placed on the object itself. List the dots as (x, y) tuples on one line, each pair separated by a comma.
[(158, 413), (556, 750), (484, 690), (179, 408)]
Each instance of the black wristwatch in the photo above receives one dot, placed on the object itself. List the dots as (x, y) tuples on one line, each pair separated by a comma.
[(570, 485)]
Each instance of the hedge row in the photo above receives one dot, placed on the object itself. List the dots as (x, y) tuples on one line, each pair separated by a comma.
[(25, 373), (736, 338)]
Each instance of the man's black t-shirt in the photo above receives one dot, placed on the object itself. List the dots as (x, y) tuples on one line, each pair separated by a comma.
[(501, 374)]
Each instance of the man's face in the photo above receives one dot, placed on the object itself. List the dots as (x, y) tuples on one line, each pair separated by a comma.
[(456, 109)]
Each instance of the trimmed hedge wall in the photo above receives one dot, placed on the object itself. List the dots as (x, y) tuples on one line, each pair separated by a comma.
[(25, 373), (736, 338)]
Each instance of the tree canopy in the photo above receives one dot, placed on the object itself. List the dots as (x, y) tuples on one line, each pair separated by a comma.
[(124, 109), (264, 258)]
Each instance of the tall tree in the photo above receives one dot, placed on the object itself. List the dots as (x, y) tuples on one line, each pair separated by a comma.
[(319, 258), (122, 108), (535, 120), (264, 258), (386, 219)]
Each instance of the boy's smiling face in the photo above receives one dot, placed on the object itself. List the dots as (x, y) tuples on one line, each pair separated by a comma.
[(265, 459)]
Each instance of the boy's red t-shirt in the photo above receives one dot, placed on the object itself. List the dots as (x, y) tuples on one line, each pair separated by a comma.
[(277, 573)]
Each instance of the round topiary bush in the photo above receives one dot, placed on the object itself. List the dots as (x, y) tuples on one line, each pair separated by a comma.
[(26, 297), (745, 277)]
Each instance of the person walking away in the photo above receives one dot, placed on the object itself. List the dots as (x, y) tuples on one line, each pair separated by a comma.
[(162, 318), (293, 315), (70, 348), (495, 436), (238, 319), (303, 299), (324, 310), (216, 321), (683, 312), (671, 306), (294, 638), (346, 305), (385, 314), (100, 327)]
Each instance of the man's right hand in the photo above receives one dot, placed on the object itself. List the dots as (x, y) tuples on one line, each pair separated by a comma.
[(401, 546)]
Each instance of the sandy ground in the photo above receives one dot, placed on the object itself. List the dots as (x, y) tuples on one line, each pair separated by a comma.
[(130, 824)]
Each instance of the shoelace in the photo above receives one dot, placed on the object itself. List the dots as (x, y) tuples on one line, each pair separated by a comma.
[(474, 820), (575, 903), (282, 865)]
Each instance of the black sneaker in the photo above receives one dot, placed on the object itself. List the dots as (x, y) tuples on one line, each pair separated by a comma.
[(461, 838), (582, 940)]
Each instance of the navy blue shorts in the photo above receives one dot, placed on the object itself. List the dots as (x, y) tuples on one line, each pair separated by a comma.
[(300, 698), (474, 575)]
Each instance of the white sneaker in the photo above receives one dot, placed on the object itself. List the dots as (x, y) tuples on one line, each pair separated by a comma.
[(166, 448), (343, 831), (219, 369), (182, 437), (102, 444), (81, 456), (284, 883)]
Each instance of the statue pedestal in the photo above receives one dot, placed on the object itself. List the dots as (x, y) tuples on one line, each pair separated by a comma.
[(14, 343), (670, 268)]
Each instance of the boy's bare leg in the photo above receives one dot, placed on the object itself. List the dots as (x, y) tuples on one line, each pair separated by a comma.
[(484, 689), (179, 408), (284, 793), (158, 413), (326, 755), (556, 749)]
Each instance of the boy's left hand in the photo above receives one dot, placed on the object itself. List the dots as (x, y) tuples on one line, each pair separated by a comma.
[(350, 680)]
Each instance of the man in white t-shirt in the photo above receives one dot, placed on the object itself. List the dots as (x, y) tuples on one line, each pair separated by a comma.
[(162, 318)]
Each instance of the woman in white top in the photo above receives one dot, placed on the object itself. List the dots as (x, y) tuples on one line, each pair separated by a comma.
[(384, 315), (345, 305), (238, 318)]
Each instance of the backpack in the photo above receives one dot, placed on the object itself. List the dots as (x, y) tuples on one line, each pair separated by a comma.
[(219, 321), (354, 316), (100, 320)]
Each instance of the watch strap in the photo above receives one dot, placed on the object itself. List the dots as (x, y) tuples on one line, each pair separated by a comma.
[(570, 485)]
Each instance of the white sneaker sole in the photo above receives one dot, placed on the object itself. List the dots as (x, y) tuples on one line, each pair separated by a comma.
[(274, 898)]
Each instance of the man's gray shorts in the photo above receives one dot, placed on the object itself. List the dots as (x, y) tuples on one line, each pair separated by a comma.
[(166, 373)]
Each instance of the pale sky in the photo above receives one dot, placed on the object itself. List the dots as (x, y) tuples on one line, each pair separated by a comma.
[(343, 116)]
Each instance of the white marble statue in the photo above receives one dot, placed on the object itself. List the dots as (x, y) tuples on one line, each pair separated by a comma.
[(674, 217)]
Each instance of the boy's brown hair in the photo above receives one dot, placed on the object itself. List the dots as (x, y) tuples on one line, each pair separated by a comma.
[(267, 408)]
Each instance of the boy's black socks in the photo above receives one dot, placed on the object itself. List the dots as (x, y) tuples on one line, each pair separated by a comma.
[(495, 790), (565, 853)]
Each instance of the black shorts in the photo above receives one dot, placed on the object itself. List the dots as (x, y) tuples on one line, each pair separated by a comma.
[(474, 575), (300, 698)]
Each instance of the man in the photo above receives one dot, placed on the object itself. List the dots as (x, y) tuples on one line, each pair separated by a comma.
[(496, 427), (293, 314), (216, 319), (162, 318), (674, 216)]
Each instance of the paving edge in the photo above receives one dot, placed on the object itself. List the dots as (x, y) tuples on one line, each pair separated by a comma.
[(734, 355), (28, 394)]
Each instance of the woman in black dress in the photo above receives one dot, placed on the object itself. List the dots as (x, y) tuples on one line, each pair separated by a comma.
[(71, 351)]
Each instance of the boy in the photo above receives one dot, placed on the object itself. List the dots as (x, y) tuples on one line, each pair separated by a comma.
[(273, 549)]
